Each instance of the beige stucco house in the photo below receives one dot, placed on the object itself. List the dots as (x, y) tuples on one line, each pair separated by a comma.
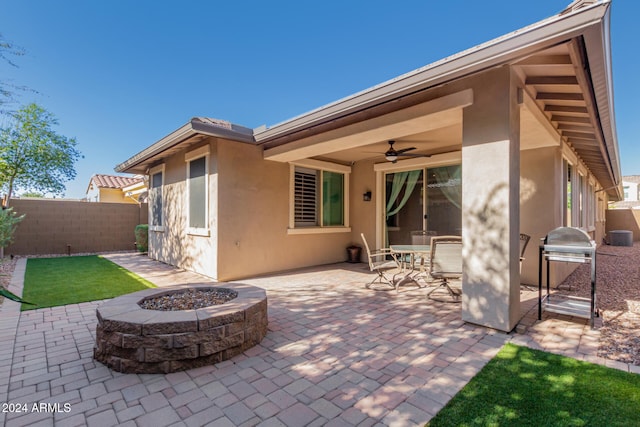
[(514, 135)]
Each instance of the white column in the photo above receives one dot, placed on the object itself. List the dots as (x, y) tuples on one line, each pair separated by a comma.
[(490, 202)]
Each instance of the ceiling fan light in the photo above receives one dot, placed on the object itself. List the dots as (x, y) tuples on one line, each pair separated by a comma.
[(391, 157)]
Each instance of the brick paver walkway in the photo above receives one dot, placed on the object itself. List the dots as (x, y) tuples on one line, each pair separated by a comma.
[(336, 354)]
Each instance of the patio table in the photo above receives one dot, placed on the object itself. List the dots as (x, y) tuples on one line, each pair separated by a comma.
[(413, 252)]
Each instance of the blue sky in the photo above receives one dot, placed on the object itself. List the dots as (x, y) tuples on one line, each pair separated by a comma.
[(119, 75)]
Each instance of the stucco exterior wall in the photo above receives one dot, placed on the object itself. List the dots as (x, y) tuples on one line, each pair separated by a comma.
[(490, 202), (541, 209), (248, 219), (540, 202), (174, 245), (114, 195), (363, 213), (249, 200), (253, 195)]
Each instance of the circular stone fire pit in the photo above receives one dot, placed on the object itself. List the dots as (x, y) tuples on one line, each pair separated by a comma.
[(133, 339)]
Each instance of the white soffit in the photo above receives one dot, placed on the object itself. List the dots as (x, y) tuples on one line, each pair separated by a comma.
[(535, 129), (434, 114)]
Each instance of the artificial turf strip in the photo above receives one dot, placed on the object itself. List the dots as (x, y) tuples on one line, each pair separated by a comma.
[(525, 387), (51, 282)]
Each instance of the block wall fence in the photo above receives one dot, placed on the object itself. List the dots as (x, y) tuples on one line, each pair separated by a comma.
[(624, 219), (62, 226)]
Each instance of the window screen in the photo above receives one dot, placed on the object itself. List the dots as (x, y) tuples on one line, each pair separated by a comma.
[(155, 196), (197, 193)]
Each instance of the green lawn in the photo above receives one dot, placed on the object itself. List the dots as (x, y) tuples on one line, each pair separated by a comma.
[(51, 282), (525, 387)]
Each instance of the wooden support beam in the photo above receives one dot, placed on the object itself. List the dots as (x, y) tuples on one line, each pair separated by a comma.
[(570, 119), (588, 136), (577, 128), (546, 60), (559, 96), (587, 147), (551, 80), (565, 109)]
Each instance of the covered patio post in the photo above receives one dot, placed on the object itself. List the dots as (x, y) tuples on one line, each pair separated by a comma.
[(490, 202)]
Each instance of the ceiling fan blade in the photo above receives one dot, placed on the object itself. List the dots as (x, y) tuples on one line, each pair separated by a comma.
[(404, 150), (413, 155)]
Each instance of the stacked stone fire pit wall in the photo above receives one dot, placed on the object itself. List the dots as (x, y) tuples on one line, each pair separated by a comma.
[(131, 339)]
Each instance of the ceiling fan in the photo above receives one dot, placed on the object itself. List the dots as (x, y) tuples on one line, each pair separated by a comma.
[(392, 154)]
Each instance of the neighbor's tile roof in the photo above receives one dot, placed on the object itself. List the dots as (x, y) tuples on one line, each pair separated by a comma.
[(113, 181)]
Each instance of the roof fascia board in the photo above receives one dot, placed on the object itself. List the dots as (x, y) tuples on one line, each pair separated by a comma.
[(134, 192), (193, 127), (168, 141), (132, 187), (220, 132), (598, 45), (495, 52)]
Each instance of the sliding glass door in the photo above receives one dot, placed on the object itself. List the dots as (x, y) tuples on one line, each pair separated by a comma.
[(423, 199)]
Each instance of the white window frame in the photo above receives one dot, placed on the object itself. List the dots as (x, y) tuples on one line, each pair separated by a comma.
[(321, 166), (585, 203), (582, 200), (591, 203), (196, 154), (152, 172)]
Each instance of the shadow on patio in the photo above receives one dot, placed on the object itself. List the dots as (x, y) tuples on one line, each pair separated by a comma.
[(335, 354)]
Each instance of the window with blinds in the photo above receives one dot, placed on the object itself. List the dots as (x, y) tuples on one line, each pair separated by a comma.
[(306, 197), (319, 198)]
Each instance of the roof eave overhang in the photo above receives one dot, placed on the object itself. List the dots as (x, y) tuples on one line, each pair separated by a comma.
[(598, 46), (194, 127), (134, 186)]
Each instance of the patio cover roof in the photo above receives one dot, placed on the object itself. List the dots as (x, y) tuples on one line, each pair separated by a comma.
[(577, 101)]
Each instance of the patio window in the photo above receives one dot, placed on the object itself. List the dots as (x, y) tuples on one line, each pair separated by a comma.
[(197, 194), (568, 170), (155, 198), (423, 199), (591, 206), (582, 205), (319, 196)]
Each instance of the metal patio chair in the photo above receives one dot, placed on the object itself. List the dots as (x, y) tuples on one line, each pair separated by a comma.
[(524, 241), (446, 265), (422, 237), (380, 263)]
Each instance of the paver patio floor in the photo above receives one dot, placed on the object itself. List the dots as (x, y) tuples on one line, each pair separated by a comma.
[(335, 354)]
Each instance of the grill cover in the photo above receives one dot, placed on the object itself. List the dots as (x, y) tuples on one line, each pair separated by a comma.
[(568, 242)]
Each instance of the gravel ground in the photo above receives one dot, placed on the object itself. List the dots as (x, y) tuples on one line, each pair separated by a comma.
[(190, 299), (6, 270), (617, 298)]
